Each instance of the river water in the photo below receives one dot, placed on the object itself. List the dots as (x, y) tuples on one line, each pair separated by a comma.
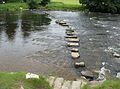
[(31, 41)]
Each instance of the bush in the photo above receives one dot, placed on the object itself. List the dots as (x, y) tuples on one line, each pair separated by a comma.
[(32, 4), (11, 1), (44, 2), (110, 6)]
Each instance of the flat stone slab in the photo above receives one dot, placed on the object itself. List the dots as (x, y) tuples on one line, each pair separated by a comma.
[(76, 85), (79, 64), (70, 44), (73, 39), (66, 85), (71, 36), (60, 22), (87, 74), (51, 80), (75, 55), (58, 83), (74, 50), (70, 33), (70, 30)]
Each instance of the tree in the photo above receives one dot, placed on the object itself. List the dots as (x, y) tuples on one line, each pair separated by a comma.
[(110, 6)]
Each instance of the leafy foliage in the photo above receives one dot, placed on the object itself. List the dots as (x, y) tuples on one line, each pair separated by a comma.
[(110, 6), (44, 2)]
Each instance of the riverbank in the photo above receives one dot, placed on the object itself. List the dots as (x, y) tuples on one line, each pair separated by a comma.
[(53, 5), (13, 6), (17, 80)]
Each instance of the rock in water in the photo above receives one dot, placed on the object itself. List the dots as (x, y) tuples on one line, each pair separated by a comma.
[(116, 55), (74, 50), (75, 55), (87, 74), (79, 64), (118, 75), (72, 44)]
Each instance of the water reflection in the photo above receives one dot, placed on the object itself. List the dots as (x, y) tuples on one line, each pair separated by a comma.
[(26, 22)]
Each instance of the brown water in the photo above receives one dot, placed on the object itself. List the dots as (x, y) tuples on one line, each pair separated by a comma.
[(33, 42)]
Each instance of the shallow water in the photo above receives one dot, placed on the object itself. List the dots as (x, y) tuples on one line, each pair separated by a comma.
[(33, 42)]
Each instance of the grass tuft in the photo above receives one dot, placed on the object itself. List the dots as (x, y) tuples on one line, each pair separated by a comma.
[(16, 80)]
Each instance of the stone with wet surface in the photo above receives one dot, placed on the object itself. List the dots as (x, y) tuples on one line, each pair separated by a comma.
[(73, 39), (75, 55), (72, 44), (87, 74)]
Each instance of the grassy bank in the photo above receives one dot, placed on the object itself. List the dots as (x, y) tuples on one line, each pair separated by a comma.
[(65, 5), (16, 80), (53, 5), (13, 6), (109, 84)]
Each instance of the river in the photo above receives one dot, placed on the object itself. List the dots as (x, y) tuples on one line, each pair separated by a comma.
[(31, 41)]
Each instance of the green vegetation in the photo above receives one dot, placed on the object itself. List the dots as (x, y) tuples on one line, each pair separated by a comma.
[(65, 5), (16, 80), (13, 6), (110, 6), (108, 84)]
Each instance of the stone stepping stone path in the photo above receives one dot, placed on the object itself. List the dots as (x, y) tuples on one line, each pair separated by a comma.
[(73, 39), (72, 44), (75, 55), (61, 83)]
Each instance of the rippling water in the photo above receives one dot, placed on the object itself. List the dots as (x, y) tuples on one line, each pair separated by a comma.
[(33, 42)]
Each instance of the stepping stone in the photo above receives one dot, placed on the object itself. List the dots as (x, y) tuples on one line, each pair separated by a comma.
[(70, 44), (58, 83), (71, 36), (69, 30), (74, 50), (65, 24), (79, 64), (70, 33), (73, 39), (116, 55), (75, 55), (66, 85), (51, 80), (76, 85), (87, 74)]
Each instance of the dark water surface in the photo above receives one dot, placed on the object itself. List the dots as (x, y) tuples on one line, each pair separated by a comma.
[(33, 42)]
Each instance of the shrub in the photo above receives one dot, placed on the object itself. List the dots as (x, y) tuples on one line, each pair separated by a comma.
[(110, 6), (44, 2), (32, 4)]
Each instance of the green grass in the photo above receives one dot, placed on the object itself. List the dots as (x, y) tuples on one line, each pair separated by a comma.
[(65, 5), (70, 2), (108, 84), (16, 80), (13, 6)]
